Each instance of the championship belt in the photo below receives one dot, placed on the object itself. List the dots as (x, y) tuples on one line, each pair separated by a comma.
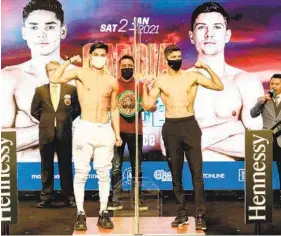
[(126, 103)]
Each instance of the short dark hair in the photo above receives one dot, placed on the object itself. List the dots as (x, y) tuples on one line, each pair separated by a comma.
[(47, 5), (208, 7), (276, 76), (126, 57), (171, 48), (98, 45)]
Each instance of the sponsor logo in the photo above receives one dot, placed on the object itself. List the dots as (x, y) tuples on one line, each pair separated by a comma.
[(9, 196), (258, 177), (214, 175), (35, 176), (90, 176), (127, 175), (241, 175), (162, 175), (6, 185)]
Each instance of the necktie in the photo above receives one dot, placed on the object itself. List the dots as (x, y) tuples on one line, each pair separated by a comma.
[(277, 100), (55, 99)]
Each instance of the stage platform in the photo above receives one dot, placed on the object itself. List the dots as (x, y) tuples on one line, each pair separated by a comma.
[(147, 225)]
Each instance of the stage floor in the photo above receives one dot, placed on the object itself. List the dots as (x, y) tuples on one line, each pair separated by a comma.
[(147, 226), (225, 216)]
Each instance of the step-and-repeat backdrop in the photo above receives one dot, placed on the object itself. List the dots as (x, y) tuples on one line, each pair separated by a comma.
[(245, 52)]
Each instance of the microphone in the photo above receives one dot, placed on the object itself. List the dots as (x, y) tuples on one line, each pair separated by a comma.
[(271, 93)]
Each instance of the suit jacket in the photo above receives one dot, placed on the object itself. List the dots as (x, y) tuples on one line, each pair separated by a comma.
[(68, 109), (269, 116)]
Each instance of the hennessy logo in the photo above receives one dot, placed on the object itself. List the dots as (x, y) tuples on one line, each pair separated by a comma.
[(5, 155), (257, 207), (5, 146), (5, 180)]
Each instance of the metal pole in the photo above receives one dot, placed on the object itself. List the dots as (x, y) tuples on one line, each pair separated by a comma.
[(137, 131), (257, 228)]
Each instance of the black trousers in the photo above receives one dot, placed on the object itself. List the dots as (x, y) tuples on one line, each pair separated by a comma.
[(277, 158), (64, 153), (117, 161), (183, 135)]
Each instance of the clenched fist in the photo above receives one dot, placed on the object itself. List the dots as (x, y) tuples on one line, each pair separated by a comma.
[(200, 64), (76, 58)]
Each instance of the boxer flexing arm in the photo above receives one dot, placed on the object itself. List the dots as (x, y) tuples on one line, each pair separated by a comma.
[(62, 76), (214, 83)]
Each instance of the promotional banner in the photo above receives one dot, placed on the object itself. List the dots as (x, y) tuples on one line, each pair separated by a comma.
[(258, 185), (217, 176), (9, 188), (242, 48)]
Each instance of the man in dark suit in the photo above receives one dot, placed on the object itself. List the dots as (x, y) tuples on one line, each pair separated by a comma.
[(269, 106), (55, 107)]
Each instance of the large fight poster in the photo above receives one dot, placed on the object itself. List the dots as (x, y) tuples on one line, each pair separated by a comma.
[(247, 52)]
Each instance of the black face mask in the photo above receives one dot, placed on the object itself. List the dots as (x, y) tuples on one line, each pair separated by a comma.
[(127, 73), (175, 64)]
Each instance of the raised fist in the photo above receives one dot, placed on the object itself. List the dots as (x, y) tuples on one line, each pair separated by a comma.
[(200, 64), (76, 58)]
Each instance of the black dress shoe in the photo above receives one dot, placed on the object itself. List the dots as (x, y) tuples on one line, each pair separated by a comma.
[(180, 220), (44, 204), (70, 204), (200, 223)]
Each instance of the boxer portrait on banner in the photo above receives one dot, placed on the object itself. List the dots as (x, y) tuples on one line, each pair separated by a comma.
[(181, 133), (55, 106), (43, 29), (269, 107), (224, 116), (95, 134)]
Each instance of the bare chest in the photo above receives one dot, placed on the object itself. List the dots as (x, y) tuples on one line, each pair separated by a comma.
[(96, 91), (225, 103), (230, 93), (174, 89), (24, 91)]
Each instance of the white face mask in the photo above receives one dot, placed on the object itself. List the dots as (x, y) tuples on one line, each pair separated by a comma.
[(98, 61)]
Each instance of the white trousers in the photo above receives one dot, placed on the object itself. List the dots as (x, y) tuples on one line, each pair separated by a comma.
[(97, 140)]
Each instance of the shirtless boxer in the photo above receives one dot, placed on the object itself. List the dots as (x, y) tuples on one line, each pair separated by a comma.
[(181, 133), (223, 116), (97, 91), (43, 30)]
